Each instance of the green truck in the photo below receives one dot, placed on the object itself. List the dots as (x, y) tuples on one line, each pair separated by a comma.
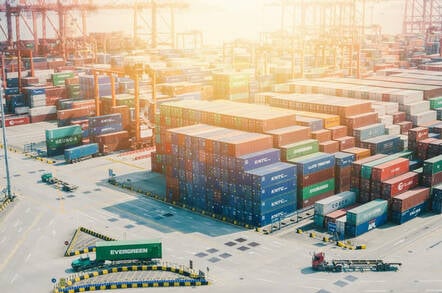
[(131, 250)]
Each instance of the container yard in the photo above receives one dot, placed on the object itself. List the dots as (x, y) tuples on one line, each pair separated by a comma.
[(220, 157)]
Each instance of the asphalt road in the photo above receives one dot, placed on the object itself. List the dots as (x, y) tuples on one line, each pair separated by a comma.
[(33, 231)]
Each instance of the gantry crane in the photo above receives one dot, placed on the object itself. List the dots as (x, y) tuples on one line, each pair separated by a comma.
[(41, 8)]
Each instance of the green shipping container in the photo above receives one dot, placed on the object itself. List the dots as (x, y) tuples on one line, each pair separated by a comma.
[(63, 132), (436, 103), (59, 142), (367, 168), (367, 212), (59, 77), (433, 165), (317, 189), (299, 149), (128, 250)]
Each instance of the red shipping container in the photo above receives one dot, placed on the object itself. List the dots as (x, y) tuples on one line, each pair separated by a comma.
[(410, 198), (116, 141), (16, 120), (399, 184), (361, 120), (432, 180), (398, 117), (329, 147), (346, 142), (289, 135), (422, 147), (316, 177), (44, 117), (418, 133), (321, 135), (405, 126), (390, 169), (73, 113), (338, 131)]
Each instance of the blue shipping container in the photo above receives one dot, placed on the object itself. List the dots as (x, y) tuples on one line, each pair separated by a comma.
[(275, 202), (313, 163), (94, 131), (105, 120), (276, 189), (11, 91), (436, 206), (76, 153), (400, 218), (354, 231), (271, 174), (344, 159), (261, 220), (257, 160)]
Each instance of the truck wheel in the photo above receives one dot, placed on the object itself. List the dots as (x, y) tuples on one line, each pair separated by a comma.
[(339, 268)]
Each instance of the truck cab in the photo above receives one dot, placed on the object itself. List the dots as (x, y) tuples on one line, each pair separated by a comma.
[(81, 263)]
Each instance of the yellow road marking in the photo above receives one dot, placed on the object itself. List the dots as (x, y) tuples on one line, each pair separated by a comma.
[(20, 242), (125, 163)]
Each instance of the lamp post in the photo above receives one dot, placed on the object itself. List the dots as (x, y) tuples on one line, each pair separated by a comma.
[(5, 147)]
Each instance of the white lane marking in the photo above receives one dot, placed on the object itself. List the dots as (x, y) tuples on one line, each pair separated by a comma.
[(28, 210), (14, 278), (430, 281), (20, 229), (53, 233), (265, 280), (308, 287), (399, 242), (375, 291), (27, 258)]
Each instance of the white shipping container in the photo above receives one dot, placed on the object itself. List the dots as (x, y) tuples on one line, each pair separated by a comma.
[(423, 117), (406, 97), (335, 202), (21, 110), (46, 110), (379, 109), (393, 129), (417, 107), (387, 120), (340, 225)]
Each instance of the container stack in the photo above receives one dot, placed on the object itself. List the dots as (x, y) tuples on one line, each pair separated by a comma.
[(343, 163), (324, 207), (58, 78), (436, 199), (87, 86), (316, 178), (231, 86), (432, 171), (107, 131), (59, 139), (366, 217), (234, 174), (409, 204)]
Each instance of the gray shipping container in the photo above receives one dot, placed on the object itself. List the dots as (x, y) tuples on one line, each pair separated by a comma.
[(335, 202), (367, 212)]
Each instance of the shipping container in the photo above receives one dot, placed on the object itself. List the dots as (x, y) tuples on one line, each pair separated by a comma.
[(313, 163), (257, 160), (433, 165), (399, 184), (299, 149), (316, 189), (410, 198), (63, 132), (340, 226), (77, 153), (289, 135), (366, 212), (370, 131), (266, 205), (274, 216), (384, 144), (313, 178), (335, 202), (352, 230), (411, 213), (390, 169), (271, 174), (128, 250)]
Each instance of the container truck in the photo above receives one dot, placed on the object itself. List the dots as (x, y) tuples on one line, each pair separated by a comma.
[(78, 153), (121, 250), (341, 265)]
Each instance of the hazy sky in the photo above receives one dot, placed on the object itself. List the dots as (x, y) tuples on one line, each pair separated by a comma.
[(229, 19)]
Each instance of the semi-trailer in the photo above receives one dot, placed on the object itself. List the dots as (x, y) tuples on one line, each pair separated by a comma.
[(76, 154), (120, 250)]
